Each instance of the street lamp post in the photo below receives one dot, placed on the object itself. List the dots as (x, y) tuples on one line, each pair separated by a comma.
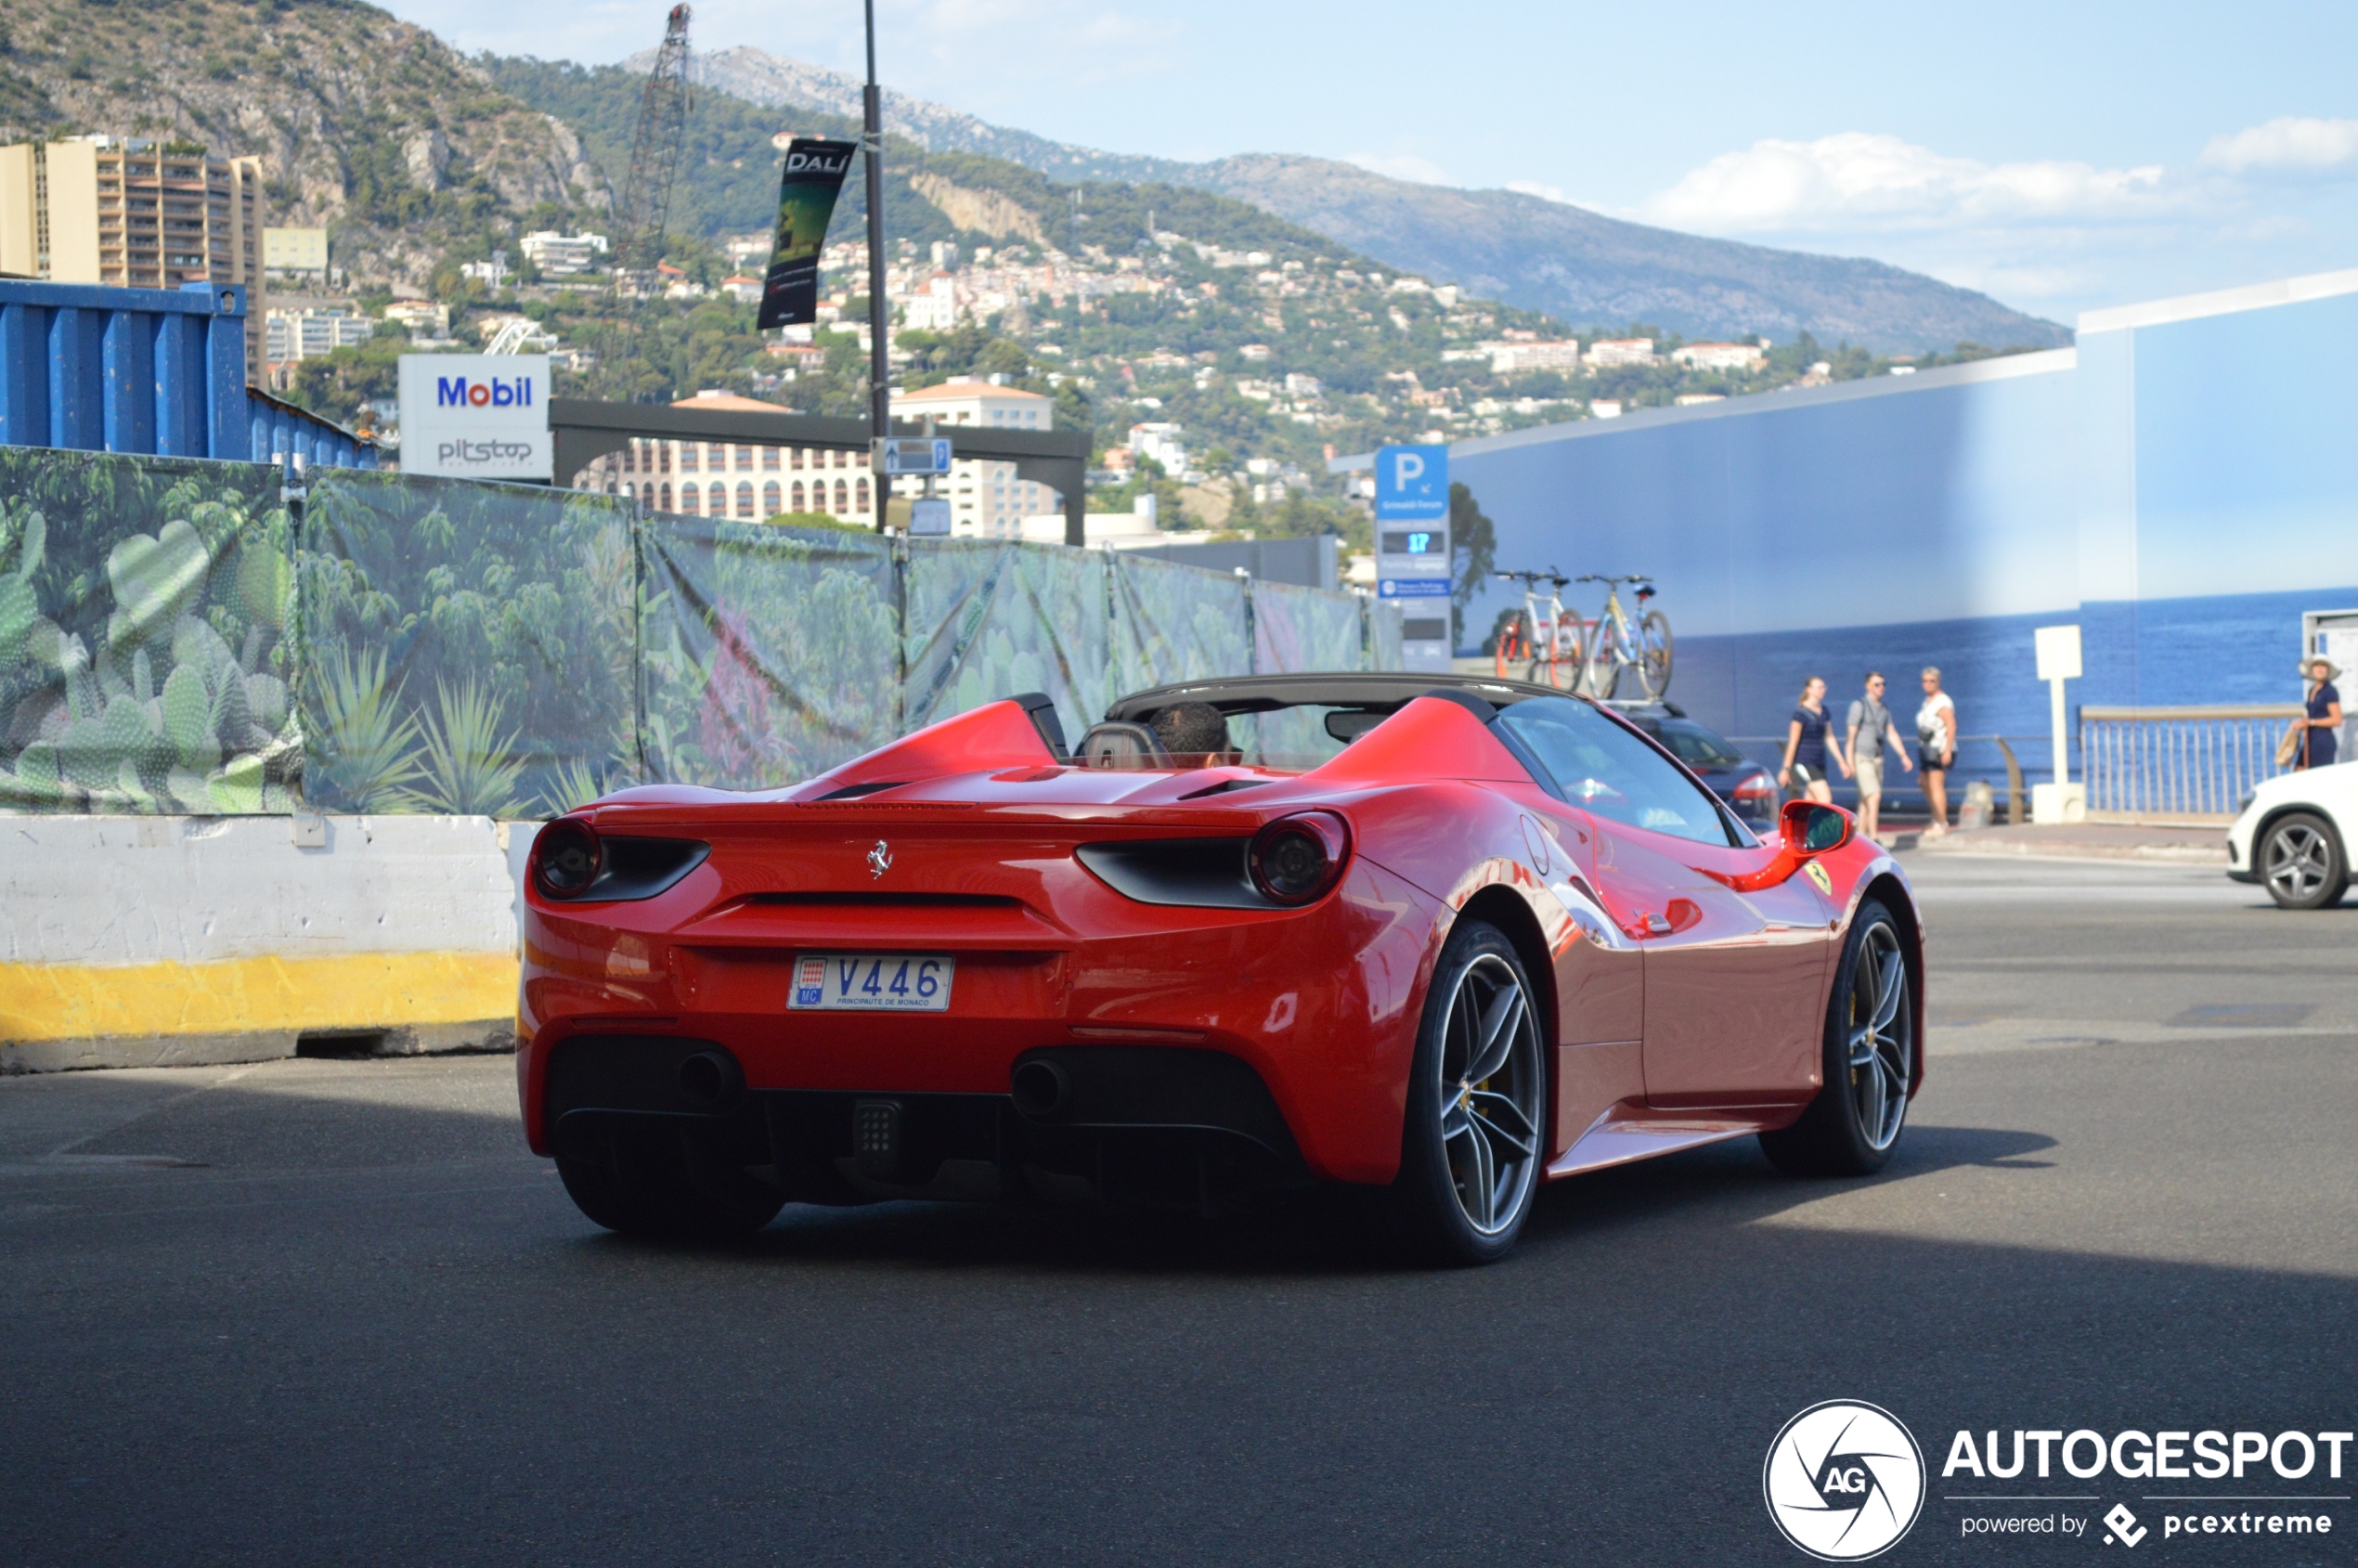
[(879, 360)]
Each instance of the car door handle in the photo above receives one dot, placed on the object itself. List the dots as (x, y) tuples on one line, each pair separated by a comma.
[(1658, 925)]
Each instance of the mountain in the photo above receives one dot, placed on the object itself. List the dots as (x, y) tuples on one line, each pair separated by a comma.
[(728, 182), (365, 124), (759, 77), (1576, 265)]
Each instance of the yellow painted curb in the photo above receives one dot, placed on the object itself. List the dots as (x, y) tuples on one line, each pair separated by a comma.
[(348, 991)]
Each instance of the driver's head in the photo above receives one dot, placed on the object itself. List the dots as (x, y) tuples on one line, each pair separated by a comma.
[(1191, 728)]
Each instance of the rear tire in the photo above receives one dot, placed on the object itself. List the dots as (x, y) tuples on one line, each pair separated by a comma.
[(1870, 1060), (1474, 1142), (668, 1185), (1653, 653), (2301, 862)]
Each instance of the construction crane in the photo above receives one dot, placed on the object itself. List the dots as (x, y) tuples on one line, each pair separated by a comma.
[(655, 143)]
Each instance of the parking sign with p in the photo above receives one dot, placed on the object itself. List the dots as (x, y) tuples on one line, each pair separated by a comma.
[(1412, 482)]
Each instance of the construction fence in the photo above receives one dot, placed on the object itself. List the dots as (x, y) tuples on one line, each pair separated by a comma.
[(189, 637)]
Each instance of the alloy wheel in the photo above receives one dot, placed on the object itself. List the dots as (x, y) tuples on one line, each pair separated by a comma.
[(1491, 1082), (1879, 1044), (2298, 862)]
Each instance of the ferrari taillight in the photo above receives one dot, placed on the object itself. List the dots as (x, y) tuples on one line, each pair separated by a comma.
[(566, 857), (1296, 860)]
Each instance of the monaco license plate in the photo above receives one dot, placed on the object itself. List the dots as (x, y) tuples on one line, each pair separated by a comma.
[(872, 983)]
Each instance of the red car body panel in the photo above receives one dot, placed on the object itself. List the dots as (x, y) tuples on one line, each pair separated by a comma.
[(1681, 1009)]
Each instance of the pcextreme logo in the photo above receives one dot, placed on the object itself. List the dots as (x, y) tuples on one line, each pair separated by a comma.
[(1844, 1480)]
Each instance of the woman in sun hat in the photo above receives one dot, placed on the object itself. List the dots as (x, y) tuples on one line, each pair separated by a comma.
[(2320, 730)]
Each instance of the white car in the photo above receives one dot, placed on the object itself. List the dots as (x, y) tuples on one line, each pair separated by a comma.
[(2293, 837)]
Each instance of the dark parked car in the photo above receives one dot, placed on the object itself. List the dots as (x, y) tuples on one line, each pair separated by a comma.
[(1749, 789)]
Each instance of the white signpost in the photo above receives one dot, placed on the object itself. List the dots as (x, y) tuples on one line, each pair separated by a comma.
[(476, 416), (2061, 801)]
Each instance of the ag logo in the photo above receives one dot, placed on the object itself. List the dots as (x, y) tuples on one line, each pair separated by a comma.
[(1844, 1481), (1817, 874)]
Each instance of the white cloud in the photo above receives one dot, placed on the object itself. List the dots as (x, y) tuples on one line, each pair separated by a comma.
[(1533, 187), (1860, 180), (2288, 143), (2050, 236)]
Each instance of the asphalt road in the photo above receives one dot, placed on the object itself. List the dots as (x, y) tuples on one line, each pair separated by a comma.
[(332, 1312)]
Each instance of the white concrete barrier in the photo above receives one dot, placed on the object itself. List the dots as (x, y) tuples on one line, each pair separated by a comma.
[(159, 941)]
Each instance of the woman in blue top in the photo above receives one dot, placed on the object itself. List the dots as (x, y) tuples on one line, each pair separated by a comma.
[(2319, 737), (1808, 742)]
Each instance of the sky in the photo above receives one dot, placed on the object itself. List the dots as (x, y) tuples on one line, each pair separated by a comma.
[(2060, 157)]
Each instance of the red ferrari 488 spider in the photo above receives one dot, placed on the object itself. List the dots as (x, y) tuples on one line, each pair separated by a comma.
[(1444, 936)]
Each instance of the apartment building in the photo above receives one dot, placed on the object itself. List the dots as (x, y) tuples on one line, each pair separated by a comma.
[(564, 255), (427, 322), (720, 479), (1720, 356), (1621, 351), (313, 332), (986, 499), (126, 211), (1513, 359)]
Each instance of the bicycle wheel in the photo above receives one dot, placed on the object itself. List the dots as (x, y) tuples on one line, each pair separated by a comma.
[(1566, 676), (1653, 653), (1604, 671), (1510, 651)]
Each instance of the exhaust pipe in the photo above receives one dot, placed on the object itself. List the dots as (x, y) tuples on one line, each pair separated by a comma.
[(711, 1079), (1041, 1087)]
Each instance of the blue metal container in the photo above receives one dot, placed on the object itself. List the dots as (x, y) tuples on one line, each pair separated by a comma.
[(155, 370)]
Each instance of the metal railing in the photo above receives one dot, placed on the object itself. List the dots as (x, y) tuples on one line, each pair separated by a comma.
[(2183, 765)]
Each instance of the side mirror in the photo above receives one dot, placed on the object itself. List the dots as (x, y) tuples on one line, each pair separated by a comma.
[(1812, 828)]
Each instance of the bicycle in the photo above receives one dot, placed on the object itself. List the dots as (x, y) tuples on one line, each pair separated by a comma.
[(1620, 643), (1543, 649)]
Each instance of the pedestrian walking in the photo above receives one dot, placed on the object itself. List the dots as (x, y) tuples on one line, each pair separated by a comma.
[(1936, 748), (1871, 726), (1808, 743), (2320, 732)]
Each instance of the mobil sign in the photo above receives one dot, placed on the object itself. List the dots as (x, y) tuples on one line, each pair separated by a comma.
[(476, 416)]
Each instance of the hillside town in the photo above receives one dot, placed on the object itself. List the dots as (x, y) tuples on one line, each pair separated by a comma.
[(1230, 374)]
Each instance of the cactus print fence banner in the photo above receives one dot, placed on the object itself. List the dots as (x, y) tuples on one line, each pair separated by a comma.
[(1300, 628), (1383, 636), (769, 654), (987, 620), (172, 641), (145, 647), (1175, 623), (470, 648), (1295, 629)]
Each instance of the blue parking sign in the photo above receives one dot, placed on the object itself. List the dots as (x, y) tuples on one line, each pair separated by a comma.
[(1412, 483)]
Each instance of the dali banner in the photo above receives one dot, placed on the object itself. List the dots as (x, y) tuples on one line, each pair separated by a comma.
[(806, 194)]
